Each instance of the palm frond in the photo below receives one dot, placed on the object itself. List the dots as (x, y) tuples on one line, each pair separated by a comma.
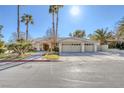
[(26, 18)]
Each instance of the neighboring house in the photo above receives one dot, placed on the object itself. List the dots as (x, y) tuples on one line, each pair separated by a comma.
[(71, 45)]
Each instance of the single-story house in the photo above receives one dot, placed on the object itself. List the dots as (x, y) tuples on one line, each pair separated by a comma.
[(72, 44)]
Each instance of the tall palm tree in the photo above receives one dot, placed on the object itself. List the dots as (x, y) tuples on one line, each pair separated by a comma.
[(18, 21), (27, 19), (57, 17), (52, 10)]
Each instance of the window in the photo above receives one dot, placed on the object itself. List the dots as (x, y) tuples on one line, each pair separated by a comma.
[(72, 44), (89, 44)]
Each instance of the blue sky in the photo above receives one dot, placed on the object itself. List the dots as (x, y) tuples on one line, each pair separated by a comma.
[(88, 18)]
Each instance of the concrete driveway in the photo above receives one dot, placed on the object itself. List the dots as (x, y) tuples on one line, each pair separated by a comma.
[(74, 74), (92, 56)]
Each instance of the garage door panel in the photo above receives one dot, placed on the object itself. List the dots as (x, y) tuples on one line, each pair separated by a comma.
[(71, 48), (89, 47), (66, 48)]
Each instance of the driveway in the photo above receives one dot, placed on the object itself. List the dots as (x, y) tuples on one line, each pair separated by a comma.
[(92, 56), (74, 74)]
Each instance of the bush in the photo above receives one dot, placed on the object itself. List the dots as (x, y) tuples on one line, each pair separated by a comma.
[(2, 51), (119, 45), (20, 47), (56, 49), (122, 45)]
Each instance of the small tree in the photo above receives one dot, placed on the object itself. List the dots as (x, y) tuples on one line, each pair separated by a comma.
[(20, 47)]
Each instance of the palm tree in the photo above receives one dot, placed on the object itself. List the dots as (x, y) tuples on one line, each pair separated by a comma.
[(52, 11), (27, 19), (79, 34), (57, 17), (102, 35), (18, 21), (120, 30), (91, 37)]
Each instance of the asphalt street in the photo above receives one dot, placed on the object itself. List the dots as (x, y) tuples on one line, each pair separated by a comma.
[(65, 75)]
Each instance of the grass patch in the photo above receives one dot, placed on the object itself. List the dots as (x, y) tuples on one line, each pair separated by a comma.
[(51, 57)]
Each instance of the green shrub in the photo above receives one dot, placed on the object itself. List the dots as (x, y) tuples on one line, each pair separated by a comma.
[(122, 46), (56, 49), (119, 45), (2, 51), (20, 47)]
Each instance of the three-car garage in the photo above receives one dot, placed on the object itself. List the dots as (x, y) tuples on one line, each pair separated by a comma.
[(77, 45)]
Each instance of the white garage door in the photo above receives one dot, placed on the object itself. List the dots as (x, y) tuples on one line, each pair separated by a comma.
[(89, 47), (71, 47)]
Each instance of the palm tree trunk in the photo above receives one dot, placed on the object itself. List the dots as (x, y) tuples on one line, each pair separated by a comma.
[(27, 32), (57, 19), (53, 23), (18, 22)]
